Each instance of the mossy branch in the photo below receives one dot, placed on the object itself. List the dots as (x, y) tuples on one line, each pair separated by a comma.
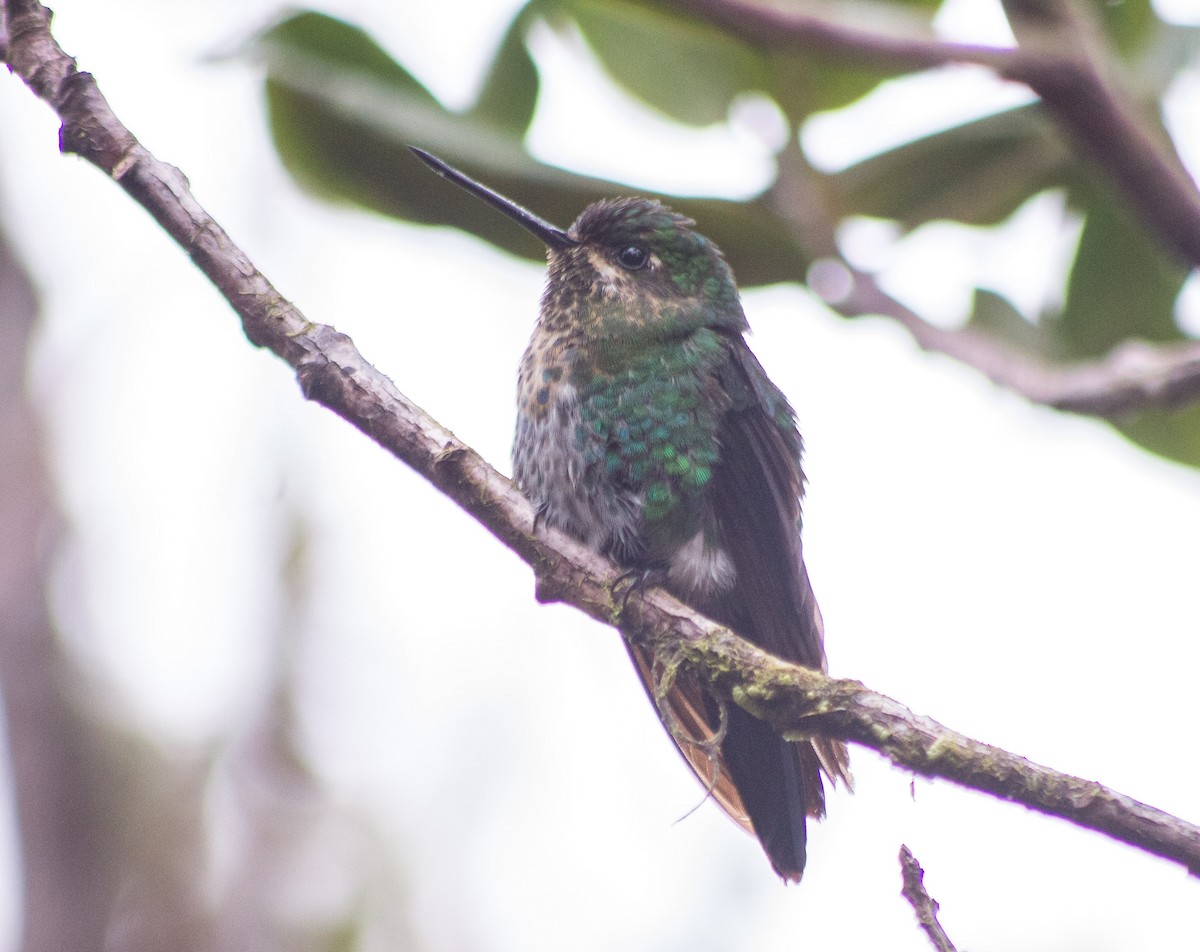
[(332, 372)]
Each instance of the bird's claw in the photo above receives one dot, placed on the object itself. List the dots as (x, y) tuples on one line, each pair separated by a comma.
[(638, 580), (539, 513)]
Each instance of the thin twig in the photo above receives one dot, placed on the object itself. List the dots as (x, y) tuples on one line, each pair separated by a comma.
[(1132, 377), (924, 905), (333, 373), (775, 27)]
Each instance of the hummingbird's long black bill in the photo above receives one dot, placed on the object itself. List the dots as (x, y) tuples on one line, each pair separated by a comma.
[(553, 237)]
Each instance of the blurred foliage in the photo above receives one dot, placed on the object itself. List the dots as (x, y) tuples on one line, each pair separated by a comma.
[(342, 112)]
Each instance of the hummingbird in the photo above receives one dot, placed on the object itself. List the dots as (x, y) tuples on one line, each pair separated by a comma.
[(647, 429)]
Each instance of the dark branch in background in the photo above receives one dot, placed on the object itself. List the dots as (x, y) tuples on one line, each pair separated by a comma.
[(773, 27), (1060, 59), (104, 823), (1133, 376), (1060, 67), (924, 905), (54, 782), (333, 373)]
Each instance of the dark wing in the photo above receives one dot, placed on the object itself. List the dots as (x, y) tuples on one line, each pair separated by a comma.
[(756, 495)]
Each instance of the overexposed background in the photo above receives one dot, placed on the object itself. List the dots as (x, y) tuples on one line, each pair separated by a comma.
[(1022, 575)]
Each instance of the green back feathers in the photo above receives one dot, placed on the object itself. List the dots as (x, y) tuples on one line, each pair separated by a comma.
[(652, 426)]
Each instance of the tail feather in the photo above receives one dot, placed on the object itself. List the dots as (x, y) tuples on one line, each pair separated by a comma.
[(779, 785), (768, 785)]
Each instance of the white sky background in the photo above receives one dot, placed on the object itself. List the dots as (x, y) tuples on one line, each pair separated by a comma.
[(1021, 575)]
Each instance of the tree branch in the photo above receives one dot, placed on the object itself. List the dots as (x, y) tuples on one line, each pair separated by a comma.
[(924, 905), (773, 27), (1064, 59), (1053, 60), (1132, 377), (333, 373)]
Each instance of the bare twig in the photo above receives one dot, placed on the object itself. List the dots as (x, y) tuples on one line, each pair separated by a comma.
[(776, 27), (333, 373), (1132, 377), (924, 905)]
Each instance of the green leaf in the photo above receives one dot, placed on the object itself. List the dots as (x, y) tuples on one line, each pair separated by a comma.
[(1128, 23), (1154, 64), (1173, 434), (803, 84), (685, 68), (994, 315), (362, 156), (691, 69), (510, 91), (315, 41), (1122, 285), (977, 173), (343, 114), (808, 79)]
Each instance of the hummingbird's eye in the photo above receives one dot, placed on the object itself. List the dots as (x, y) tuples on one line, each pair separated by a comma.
[(633, 257)]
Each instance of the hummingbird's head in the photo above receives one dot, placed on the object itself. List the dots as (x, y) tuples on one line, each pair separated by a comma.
[(637, 265), (627, 268)]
